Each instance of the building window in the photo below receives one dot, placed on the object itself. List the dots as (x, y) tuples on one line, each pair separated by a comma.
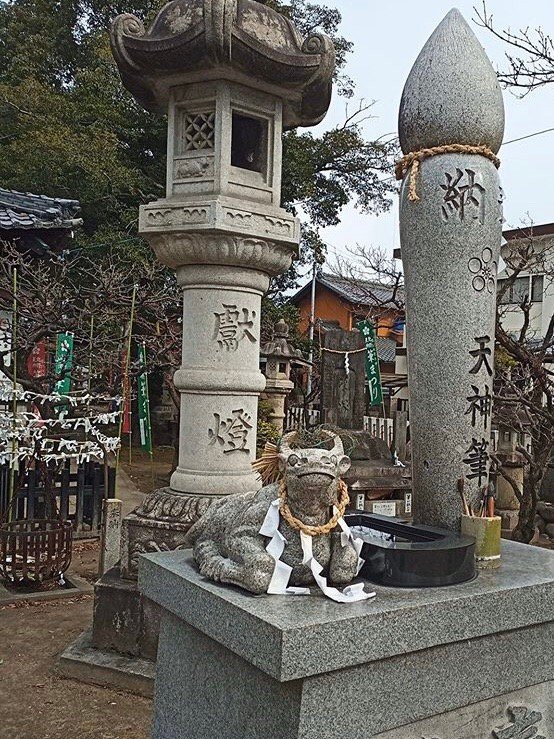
[(537, 288), (521, 289)]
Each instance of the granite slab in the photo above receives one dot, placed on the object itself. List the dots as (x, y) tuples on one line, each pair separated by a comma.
[(293, 637)]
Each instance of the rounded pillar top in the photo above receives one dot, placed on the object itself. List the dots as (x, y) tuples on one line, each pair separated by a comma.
[(452, 95)]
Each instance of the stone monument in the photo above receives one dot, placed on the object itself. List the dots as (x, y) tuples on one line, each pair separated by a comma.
[(450, 230), (467, 662), (230, 76), (300, 514), (343, 379)]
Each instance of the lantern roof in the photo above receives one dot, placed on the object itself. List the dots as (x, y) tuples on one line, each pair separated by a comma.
[(242, 40), (280, 348)]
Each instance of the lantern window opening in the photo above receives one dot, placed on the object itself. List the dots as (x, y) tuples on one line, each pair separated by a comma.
[(249, 142)]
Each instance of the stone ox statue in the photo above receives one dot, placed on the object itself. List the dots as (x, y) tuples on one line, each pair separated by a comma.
[(228, 545)]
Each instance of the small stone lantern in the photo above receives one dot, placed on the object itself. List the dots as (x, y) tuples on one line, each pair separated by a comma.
[(231, 76), (280, 358)]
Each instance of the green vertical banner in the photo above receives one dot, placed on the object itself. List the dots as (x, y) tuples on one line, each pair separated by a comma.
[(64, 362), (372, 371), (144, 402)]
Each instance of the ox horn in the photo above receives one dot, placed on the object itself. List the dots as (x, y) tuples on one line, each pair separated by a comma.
[(338, 447)]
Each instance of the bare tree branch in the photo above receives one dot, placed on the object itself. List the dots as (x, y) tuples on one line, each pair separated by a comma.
[(532, 65)]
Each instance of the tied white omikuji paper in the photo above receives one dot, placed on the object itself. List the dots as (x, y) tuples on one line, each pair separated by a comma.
[(279, 584)]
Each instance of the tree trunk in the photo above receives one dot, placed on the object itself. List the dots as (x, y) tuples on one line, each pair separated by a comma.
[(532, 483)]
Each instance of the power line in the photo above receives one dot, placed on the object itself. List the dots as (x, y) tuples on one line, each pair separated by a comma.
[(528, 136)]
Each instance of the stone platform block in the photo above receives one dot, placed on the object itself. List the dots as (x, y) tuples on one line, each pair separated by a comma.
[(124, 620), (81, 660), (235, 665)]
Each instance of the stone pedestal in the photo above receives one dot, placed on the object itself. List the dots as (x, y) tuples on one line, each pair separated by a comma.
[(449, 663), (509, 520), (120, 648), (124, 620), (276, 397)]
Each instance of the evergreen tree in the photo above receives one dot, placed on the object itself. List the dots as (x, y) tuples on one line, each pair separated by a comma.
[(68, 128)]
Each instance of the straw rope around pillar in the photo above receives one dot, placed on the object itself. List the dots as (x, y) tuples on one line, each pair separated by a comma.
[(412, 161)]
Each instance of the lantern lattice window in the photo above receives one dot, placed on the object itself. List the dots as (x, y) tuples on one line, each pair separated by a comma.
[(198, 131)]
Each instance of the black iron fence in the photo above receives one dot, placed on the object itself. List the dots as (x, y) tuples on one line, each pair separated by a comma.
[(79, 493)]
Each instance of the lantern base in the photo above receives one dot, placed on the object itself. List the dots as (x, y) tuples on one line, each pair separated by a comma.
[(159, 524)]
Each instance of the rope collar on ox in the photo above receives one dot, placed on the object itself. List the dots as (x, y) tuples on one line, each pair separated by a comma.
[(296, 523)]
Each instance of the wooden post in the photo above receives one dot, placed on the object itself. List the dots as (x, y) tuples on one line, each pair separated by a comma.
[(80, 499), (97, 495), (64, 491)]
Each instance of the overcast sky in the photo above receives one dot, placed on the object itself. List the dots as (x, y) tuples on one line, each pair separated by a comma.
[(387, 38)]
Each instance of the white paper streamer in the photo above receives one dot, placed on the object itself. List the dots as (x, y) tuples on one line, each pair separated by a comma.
[(26, 435), (350, 594), (347, 536), (8, 393), (282, 572)]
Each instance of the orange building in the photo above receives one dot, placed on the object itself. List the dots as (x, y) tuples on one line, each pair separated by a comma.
[(340, 302), (344, 302)]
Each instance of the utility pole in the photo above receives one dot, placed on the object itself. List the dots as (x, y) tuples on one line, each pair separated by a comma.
[(311, 333)]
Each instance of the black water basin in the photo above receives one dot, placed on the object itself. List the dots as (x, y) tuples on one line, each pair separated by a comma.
[(407, 555)]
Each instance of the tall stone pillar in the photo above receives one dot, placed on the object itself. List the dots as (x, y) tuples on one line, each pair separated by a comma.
[(219, 379), (231, 76), (450, 238)]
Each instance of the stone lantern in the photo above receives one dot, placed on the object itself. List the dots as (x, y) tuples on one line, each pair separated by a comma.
[(280, 358), (231, 76)]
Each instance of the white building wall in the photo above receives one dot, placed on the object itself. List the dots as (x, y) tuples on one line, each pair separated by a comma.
[(541, 311)]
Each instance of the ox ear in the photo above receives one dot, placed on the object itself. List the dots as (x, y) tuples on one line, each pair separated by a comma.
[(344, 464)]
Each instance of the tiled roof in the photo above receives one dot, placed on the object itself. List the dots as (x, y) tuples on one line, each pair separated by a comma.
[(23, 211), (386, 349), (360, 292)]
